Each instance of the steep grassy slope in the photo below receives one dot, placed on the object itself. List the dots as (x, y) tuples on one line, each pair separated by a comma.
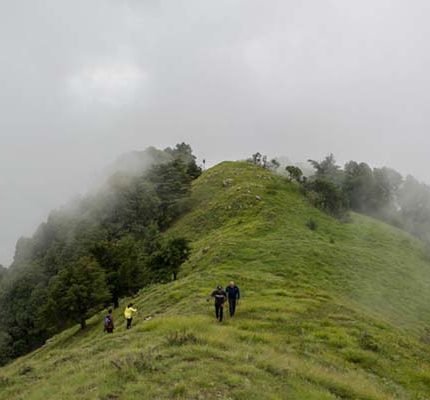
[(334, 313)]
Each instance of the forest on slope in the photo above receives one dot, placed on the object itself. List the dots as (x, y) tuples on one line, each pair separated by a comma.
[(107, 245), (381, 193)]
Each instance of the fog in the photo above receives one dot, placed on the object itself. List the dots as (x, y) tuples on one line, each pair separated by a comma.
[(83, 82)]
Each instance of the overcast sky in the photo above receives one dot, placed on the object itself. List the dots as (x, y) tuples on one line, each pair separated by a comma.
[(83, 81)]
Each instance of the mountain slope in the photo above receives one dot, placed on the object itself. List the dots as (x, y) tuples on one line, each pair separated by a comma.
[(339, 312)]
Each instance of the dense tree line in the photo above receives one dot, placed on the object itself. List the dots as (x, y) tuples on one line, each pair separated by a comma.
[(382, 193), (107, 245)]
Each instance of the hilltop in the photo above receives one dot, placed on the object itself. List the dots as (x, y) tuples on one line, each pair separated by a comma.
[(338, 311)]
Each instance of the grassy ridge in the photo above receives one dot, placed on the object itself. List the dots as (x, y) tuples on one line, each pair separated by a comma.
[(334, 313)]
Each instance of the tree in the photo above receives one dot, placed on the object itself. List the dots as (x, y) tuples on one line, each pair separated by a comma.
[(20, 300), (176, 252), (3, 271), (256, 158), (172, 185), (327, 196), (295, 173), (387, 184), (76, 292), (6, 348), (370, 191), (103, 252), (264, 162), (328, 170), (134, 205), (167, 257), (124, 263), (183, 152), (358, 186), (274, 164), (414, 207)]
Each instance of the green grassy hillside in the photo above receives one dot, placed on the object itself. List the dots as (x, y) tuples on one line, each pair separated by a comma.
[(339, 312)]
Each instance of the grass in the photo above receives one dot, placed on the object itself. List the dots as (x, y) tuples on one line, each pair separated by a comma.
[(336, 312)]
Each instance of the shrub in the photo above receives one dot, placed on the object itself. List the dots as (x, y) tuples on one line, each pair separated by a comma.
[(4, 381), (312, 224), (294, 173), (146, 362), (180, 338), (425, 337), (367, 342)]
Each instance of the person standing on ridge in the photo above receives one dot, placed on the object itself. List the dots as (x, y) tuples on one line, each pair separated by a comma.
[(233, 296), (128, 314), (220, 297), (108, 322)]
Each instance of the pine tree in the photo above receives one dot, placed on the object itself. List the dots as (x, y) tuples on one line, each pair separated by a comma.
[(76, 292)]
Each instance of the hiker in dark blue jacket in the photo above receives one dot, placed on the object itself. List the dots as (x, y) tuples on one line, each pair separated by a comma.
[(233, 296)]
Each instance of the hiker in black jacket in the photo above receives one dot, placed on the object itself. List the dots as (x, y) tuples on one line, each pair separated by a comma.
[(220, 297), (233, 295)]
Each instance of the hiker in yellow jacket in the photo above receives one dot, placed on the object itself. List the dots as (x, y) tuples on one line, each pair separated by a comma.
[(128, 314)]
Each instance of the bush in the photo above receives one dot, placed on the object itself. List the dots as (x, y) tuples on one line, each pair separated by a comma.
[(180, 338), (146, 362), (312, 224), (294, 173), (367, 342), (360, 357), (425, 337), (4, 382)]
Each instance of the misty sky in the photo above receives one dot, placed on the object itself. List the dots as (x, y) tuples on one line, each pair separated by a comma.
[(83, 81)]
